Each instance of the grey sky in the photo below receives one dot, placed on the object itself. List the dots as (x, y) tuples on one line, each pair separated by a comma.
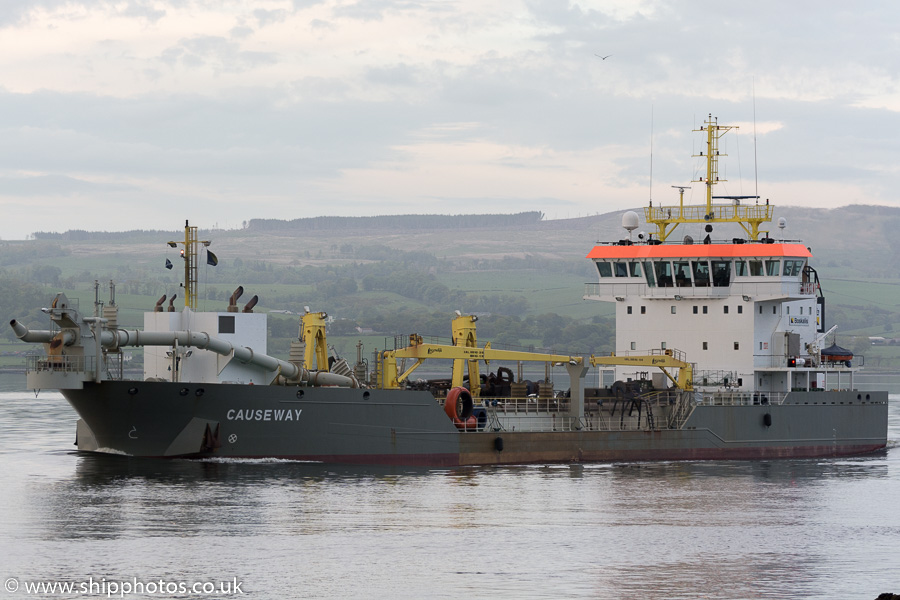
[(140, 114)]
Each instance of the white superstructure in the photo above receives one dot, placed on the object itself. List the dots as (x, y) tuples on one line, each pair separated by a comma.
[(747, 311)]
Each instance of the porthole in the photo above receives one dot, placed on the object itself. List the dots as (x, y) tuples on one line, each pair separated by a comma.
[(199, 392), (365, 395), (183, 391), (132, 391), (299, 393)]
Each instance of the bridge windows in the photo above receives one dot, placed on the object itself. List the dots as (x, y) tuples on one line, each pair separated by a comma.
[(721, 273), (756, 268), (621, 269), (663, 273), (793, 268), (648, 272), (635, 269), (701, 273), (773, 267), (682, 273), (604, 268)]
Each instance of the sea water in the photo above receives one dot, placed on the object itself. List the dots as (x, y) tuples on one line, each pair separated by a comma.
[(113, 526)]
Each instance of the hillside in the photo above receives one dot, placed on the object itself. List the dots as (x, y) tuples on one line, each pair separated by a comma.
[(395, 273)]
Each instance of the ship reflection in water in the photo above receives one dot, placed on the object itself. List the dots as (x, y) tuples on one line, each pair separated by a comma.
[(766, 529)]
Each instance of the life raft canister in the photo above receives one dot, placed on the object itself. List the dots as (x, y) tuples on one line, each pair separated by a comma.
[(459, 406)]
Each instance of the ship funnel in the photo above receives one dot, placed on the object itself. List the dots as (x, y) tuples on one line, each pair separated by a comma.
[(159, 303), (249, 307), (232, 302)]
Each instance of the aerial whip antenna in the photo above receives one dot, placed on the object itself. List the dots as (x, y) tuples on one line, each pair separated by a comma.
[(651, 154), (755, 167)]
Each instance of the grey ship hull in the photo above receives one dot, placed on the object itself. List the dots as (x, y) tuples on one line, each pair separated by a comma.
[(162, 419)]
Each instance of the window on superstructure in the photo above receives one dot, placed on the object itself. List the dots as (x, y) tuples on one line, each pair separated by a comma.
[(605, 269), (635, 268), (787, 310), (673, 309), (701, 273), (801, 310), (682, 273), (662, 345), (663, 270), (740, 268), (756, 268), (725, 309), (705, 310), (721, 273), (633, 346), (643, 310), (621, 269), (629, 310), (737, 346), (774, 310), (793, 268), (648, 272), (740, 309), (773, 268), (706, 345), (789, 268), (226, 324)]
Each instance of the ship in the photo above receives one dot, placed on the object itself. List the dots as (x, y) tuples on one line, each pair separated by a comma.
[(718, 355)]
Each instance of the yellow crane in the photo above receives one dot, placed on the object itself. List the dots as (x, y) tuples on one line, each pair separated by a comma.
[(464, 353), (663, 360)]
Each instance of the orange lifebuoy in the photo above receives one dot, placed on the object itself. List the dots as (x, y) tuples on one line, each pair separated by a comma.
[(459, 406)]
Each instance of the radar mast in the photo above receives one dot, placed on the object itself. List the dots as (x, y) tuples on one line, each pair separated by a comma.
[(667, 218)]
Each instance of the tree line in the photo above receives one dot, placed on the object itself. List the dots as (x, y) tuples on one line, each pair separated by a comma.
[(396, 222)]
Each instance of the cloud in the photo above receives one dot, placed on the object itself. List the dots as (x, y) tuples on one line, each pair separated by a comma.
[(286, 108), (268, 17), (53, 185), (217, 53)]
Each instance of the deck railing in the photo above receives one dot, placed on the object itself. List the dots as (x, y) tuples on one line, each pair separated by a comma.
[(45, 363)]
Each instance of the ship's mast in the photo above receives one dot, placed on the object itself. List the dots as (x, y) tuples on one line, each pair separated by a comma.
[(667, 218), (189, 253), (714, 133)]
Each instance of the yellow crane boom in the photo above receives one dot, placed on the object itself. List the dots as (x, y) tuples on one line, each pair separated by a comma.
[(663, 361), (464, 351)]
